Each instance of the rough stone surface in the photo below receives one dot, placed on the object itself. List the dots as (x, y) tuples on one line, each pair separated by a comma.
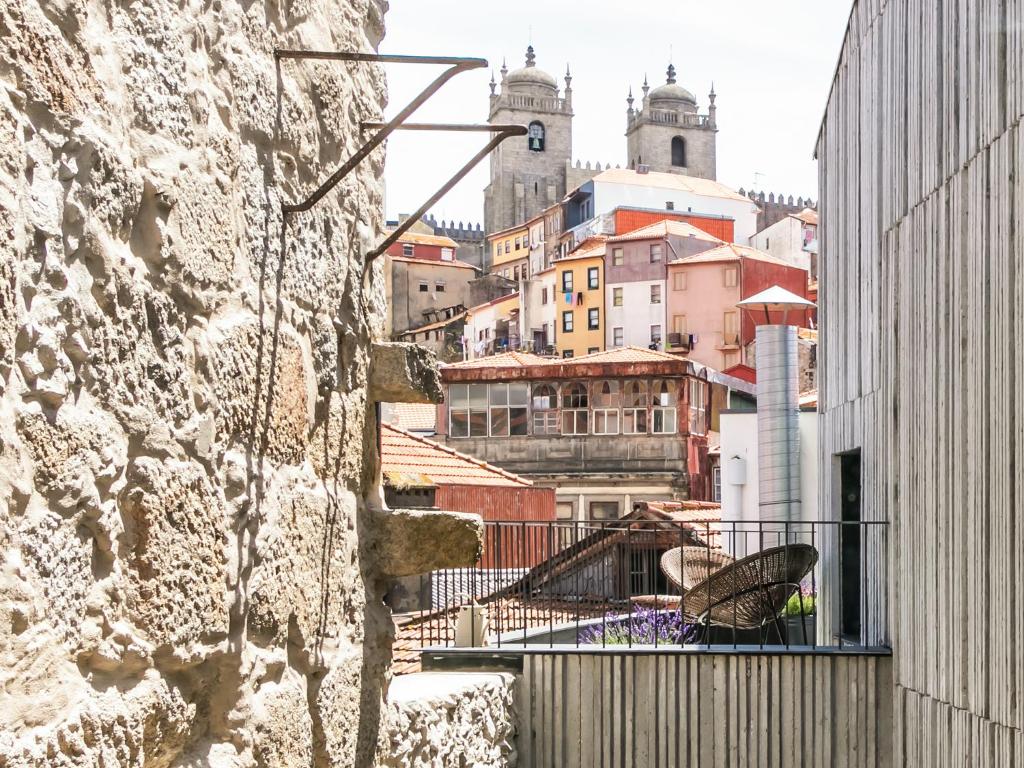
[(452, 719), (188, 480), (456, 540), (404, 373)]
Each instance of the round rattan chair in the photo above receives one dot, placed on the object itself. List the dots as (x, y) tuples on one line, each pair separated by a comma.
[(750, 593), (686, 566)]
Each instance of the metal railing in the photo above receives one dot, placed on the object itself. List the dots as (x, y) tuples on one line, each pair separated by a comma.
[(813, 586)]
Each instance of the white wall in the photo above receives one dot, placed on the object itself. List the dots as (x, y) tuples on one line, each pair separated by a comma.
[(739, 438), (636, 315), (608, 196), (784, 240)]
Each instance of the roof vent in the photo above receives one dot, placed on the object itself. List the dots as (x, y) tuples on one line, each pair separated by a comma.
[(643, 168)]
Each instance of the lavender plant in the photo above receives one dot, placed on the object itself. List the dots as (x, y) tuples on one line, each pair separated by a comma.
[(641, 628)]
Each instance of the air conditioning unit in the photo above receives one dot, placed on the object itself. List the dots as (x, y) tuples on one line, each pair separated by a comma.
[(643, 168)]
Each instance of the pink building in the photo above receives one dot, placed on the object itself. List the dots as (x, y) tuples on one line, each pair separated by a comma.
[(702, 292)]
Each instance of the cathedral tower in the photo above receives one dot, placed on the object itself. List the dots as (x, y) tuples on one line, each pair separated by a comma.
[(528, 173), (668, 134)]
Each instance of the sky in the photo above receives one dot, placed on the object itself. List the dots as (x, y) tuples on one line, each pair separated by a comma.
[(771, 64)]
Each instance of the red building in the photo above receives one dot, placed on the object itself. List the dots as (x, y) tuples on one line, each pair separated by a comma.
[(630, 219), (415, 245)]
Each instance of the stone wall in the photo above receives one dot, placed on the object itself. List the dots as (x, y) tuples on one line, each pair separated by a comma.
[(185, 447), (452, 719)]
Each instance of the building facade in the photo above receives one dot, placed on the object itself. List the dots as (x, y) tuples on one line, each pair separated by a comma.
[(668, 134), (794, 239), (510, 252), (605, 430), (419, 288), (578, 300), (703, 290), (528, 174)]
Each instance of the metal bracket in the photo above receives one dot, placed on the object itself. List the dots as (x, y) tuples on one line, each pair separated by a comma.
[(385, 129)]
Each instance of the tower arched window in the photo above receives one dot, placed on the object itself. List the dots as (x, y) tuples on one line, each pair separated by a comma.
[(535, 136), (678, 151)]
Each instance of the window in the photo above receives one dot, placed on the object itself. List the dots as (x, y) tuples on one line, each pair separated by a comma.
[(669, 205), (567, 282), (447, 254), (679, 324), (606, 408), (593, 350), (517, 243), (655, 294), (617, 337), (408, 249), (730, 277), (634, 407), (439, 286), (716, 484), (566, 354), (545, 409), (424, 286), (563, 510), (508, 409), (593, 281), (593, 319), (655, 252), (697, 407), (679, 281), (497, 250), (617, 297), (575, 416), (655, 334), (616, 257), (567, 322), (663, 414), (507, 242), (535, 136), (731, 328), (515, 274), (604, 510), (467, 410), (678, 151), (544, 295)]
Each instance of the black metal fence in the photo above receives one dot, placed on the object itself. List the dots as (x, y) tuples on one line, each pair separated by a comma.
[(662, 583)]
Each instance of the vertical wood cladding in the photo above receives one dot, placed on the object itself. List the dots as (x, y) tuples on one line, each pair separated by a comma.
[(922, 248)]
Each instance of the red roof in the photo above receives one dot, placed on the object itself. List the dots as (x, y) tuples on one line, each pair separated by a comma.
[(741, 371), (409, 460)]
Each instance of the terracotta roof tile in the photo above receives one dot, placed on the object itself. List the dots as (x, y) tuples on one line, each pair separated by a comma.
[(505, 360), (417, 417), (623, 355), (405, 456), (419, 238), (666, 227), (730, 252)]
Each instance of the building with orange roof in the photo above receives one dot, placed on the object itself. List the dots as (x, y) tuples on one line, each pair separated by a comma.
[(578, 300), (703, 289), (636, 267), (794, 239), (604, 430)]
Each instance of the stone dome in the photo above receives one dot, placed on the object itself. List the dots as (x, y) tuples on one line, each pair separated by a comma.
[(530, 74), (671, 91)]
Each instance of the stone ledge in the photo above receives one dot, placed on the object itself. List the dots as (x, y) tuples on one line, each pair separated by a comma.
[(415, 541), (401, 372)]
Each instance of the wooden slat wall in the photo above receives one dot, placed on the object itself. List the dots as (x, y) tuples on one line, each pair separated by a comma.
[(922, 363), (714, 710)]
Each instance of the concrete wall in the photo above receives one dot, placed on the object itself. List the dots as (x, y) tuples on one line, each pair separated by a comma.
[(439, 719), (636, 315), (408, 303), (647, 710), (920, 368), (784, 240), (739, 438), (704, 302)]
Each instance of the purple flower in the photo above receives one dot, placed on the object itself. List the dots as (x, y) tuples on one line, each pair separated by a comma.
[(644, 626)]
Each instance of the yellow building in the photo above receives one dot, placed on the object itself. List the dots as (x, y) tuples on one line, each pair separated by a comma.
[(579, 300), (510, 252)]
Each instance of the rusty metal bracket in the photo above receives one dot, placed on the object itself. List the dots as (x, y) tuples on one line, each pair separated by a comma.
[(501, 132)]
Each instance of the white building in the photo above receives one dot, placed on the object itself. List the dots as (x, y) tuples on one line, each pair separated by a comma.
[(632, 310), (669, 191), (739, 477), (794, 239)]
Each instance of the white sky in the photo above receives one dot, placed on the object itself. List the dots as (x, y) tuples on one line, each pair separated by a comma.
[(771, 63)]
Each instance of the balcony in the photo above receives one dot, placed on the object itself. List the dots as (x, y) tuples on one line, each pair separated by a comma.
[(674, 641)]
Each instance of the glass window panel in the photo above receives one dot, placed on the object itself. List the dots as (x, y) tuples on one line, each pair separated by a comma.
[(499, 394), (518, 394), (604, 510), (517, 421), (460, 424), (457, 397), (499, 422), (477, 395), (478, 423)]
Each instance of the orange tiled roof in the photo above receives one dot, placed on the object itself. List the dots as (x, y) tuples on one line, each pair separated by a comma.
[(807, 216), (404, 456), (623, 355), (433, 262), (419, 417), (418, 238), (666, 227), (505, 360), (730, 252)]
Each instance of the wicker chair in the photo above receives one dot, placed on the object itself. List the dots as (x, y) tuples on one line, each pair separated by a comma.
[(686, 566), (750, 593)]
